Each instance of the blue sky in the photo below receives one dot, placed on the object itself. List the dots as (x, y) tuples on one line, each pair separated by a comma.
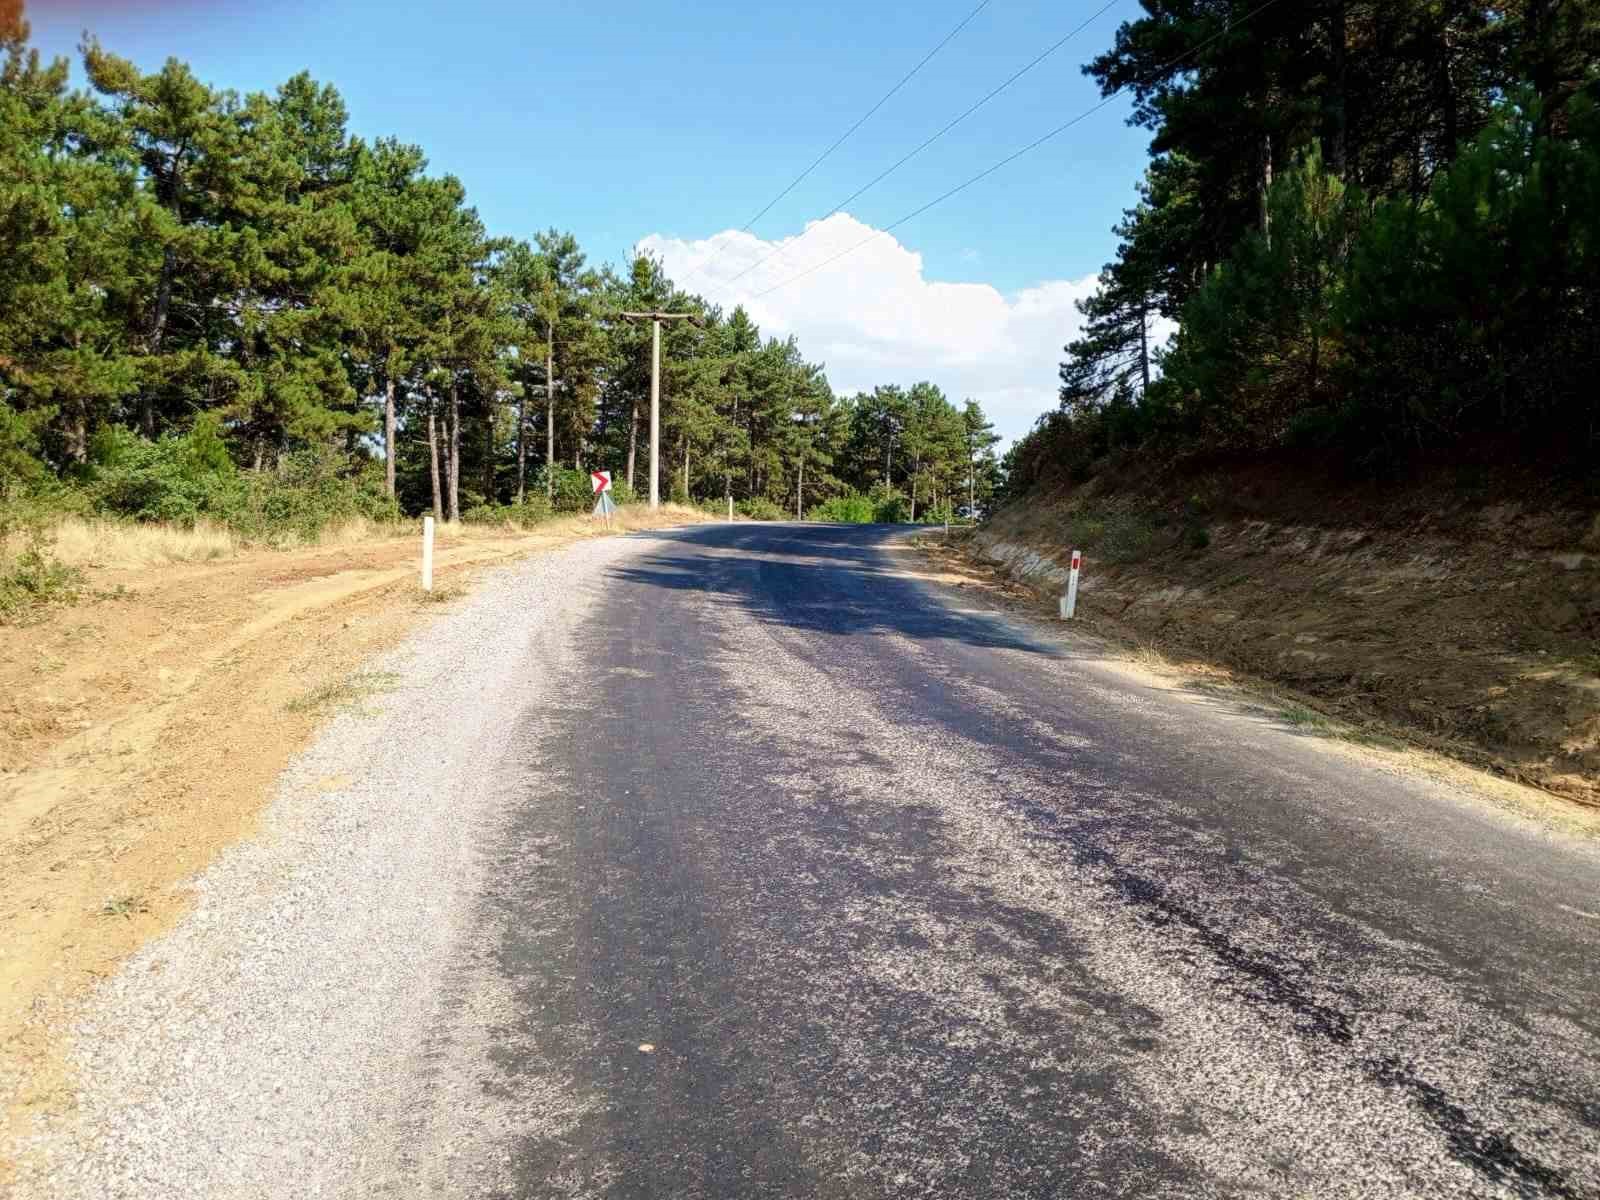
[(669, 123)]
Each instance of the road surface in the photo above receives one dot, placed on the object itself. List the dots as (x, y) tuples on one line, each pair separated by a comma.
[(819, 884), (741, 861)]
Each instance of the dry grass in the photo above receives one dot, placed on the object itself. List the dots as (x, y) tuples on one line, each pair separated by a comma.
[(125, 545), (80, 542), (344, 693)]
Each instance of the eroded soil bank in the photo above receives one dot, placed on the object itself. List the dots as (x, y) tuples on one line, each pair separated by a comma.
[(1466, 621)]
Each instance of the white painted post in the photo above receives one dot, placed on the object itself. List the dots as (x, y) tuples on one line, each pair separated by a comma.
[(1069, 602), (730, 508), (427, 554)]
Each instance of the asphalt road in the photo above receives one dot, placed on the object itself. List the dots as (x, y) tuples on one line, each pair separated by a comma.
[(819, 884)]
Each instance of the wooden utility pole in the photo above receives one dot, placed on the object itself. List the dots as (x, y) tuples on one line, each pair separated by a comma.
[(655, 319)]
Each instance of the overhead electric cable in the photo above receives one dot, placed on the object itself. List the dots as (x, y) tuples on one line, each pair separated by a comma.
[(884, 174), (843, 137), (1012, 157)]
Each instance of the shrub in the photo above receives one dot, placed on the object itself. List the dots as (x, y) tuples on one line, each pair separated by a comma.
[(892, 509), (532, 511), (310, 490), (759, 508), (32, 579), (850, 509), (573, 490), (180, 478)]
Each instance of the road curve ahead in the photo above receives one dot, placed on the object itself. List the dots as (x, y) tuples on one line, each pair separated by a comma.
[(816, 884)]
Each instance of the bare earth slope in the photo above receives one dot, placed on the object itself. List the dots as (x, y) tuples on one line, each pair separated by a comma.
[(1460, 622)]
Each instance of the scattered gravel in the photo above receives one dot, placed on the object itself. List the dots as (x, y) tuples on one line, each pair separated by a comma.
[(256, 1048)]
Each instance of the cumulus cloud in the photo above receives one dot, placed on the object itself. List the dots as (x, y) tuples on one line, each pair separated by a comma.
[(874, 317)]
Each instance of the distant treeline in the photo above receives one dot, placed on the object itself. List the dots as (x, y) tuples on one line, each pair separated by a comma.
[(1376, 226), (201, 292)]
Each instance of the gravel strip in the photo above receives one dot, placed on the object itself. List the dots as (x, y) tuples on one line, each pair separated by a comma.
[(272, 1043)]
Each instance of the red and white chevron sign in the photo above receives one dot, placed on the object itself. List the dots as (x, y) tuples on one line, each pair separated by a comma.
[(601, 481)]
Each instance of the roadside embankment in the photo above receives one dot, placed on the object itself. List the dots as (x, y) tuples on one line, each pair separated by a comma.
[(1463, 621), (143, 727)]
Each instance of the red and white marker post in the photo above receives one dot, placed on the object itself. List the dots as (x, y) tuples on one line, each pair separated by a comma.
[(604, 506), (1069, 602)]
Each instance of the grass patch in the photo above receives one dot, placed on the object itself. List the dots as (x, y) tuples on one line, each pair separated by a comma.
[(1376, 741), (125, 907), (1303, 718), (34, 580), (1148, 654), (344, 693), (1119, 537), (441, 595)]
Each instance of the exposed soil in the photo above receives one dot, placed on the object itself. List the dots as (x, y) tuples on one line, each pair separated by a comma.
[(140, 735), (1426, 613)]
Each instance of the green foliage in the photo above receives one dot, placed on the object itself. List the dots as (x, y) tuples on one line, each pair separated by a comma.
[(183, 478), (759, 508), (1454, 295), (572, 491), (33, 579), (212, 304), (311, 490), (889, 506), (180, 478), (852, 508), (534, 510)]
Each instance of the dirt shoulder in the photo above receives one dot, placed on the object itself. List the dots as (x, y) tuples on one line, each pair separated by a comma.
[(142, 734), (1175, 645)]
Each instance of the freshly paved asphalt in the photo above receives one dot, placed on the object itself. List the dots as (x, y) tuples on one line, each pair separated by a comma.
[(909, 900)]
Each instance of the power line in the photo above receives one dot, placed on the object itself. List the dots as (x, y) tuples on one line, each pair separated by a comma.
[(1012, 157), (843, 137), (882, 175)]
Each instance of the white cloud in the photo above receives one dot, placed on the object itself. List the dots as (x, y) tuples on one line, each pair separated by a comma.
[(873, 317)]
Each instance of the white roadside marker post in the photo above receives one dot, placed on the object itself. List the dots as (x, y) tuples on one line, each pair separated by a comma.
[(1069, 602), (730, 508), (427, 554)]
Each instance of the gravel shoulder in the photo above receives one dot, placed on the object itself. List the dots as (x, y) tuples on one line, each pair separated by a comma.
[(278, 1023)]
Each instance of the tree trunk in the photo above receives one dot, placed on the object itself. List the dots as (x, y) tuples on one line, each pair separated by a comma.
[(916, 469), (686, 468), (388, 432), (633, 440), (455, 451), (433, 459), (78, 433), (488, 452), (1339, 118), (972, 488), (1144, 347), (1449, 109), (522, 445), (550, 412), (800, 490), (1266, 187), (158, 330)]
